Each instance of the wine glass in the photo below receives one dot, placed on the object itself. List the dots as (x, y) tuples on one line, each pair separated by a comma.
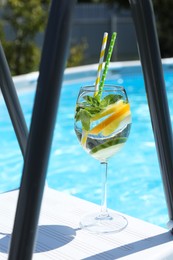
[(102, 125)]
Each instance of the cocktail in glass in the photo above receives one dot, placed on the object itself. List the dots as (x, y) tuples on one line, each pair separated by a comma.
[(102, 125)]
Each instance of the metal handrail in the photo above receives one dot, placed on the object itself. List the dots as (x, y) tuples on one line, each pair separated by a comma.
[(41, 130), (12, 102), (144, 21)]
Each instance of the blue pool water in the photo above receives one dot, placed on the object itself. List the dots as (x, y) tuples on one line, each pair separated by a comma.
[(134, 179)]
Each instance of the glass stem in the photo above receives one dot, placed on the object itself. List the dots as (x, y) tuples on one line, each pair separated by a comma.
[(104, 211)]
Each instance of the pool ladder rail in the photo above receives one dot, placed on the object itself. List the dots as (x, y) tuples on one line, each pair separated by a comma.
[(36, 145), (148, 45)]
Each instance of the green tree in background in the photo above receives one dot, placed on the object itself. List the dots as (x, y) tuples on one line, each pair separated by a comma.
[(26, 19)]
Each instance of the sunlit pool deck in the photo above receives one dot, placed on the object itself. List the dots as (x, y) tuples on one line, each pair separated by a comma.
[(59, 235)]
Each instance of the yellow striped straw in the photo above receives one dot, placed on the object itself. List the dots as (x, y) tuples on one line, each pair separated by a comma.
[(102, 53)]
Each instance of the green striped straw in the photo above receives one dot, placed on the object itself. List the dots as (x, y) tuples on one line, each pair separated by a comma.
[(110, 50)]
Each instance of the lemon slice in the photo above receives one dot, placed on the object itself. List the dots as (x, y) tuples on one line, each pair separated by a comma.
[(115, 124), (106, 122), (84, 138), (109, 110)]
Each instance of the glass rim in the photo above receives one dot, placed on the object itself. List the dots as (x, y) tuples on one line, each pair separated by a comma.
[(107, 87)]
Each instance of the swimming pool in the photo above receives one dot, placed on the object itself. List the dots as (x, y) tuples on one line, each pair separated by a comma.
[(134, 180)]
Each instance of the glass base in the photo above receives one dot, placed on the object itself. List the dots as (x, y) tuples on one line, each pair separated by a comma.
[(100, 224)]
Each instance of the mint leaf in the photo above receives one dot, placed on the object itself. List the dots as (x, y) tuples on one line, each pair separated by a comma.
[(93, 110), (85, 117), (92, 100), (77, 114), (110, 99)]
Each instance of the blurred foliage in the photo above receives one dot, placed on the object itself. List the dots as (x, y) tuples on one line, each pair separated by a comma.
[(26, 19), (77, 54)]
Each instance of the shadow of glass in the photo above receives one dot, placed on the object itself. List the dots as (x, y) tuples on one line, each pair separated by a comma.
[(48, 237)]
